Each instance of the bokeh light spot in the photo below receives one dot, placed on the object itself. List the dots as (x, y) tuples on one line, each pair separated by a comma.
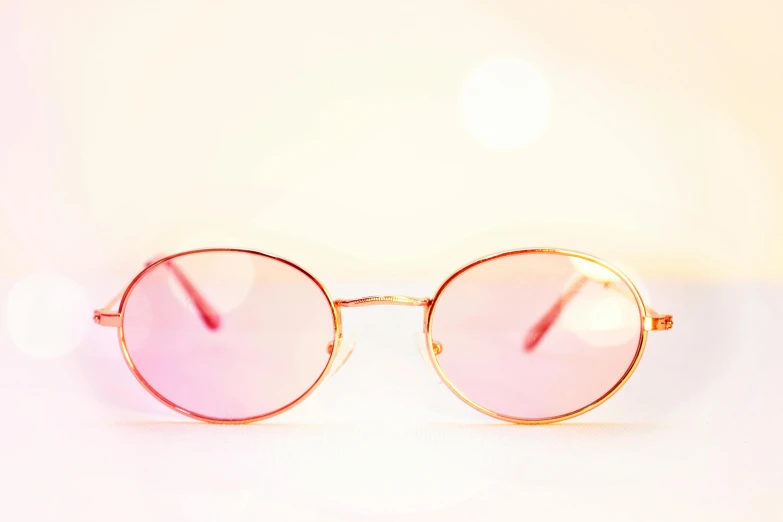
[(47, 315), (602, 317), (594, 270), (506, 103)]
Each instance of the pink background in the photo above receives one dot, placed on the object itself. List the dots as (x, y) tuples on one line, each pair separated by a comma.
[(382, 146)]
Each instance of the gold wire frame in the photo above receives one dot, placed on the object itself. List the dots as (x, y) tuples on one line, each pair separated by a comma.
[(333, 354), (648, 320), (548, 420)]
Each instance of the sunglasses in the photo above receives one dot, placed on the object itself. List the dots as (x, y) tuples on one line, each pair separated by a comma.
[(528, 336)]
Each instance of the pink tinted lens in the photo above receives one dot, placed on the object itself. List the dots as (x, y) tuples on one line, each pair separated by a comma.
[(227, 334), (537, 335)]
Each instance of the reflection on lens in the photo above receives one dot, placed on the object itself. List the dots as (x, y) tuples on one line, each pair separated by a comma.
[(228, 335), (536, 335)]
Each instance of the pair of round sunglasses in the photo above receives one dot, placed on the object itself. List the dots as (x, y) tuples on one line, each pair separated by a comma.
[(527, 336)]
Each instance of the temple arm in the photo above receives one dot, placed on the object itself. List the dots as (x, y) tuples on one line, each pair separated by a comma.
[(652, 321), (208, 314), (542, 326)]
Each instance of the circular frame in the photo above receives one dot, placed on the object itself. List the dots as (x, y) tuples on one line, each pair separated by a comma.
[(336, 321), (548, 420)]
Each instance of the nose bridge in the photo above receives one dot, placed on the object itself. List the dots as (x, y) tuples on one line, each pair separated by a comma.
[(372, 300)]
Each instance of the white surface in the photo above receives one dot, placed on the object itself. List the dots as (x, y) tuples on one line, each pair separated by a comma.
[(694, 435)]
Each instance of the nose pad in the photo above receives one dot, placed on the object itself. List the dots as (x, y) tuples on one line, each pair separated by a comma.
[(423, 349), (344, 350)]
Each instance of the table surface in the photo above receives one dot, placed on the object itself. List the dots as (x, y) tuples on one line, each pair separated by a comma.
[(694, 435)]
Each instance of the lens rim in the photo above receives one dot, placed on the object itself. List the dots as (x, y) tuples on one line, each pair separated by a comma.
[(428, 315), (336, 321)]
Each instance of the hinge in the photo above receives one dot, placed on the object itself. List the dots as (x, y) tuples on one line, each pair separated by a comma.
[(658, 322), (105, 318)]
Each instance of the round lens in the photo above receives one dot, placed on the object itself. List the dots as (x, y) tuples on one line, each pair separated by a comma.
[(534, 336), (227, 335)]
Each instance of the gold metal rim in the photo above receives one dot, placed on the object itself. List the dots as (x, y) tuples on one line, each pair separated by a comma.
[(336, 319), (428, 315)]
